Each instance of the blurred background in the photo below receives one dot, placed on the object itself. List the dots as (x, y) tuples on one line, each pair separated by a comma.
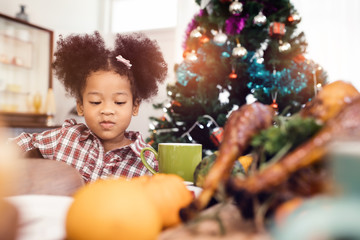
[(331, 29)]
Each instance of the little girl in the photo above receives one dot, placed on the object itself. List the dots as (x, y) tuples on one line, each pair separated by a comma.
[(108, 86)]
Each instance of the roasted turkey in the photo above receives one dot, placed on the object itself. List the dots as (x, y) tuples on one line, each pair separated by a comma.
[(337, 106)]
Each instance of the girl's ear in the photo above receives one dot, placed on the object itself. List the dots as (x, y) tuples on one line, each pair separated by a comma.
[(136, 107), (79, 108)]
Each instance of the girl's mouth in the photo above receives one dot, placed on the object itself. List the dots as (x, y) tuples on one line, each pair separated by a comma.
[(107, 124)]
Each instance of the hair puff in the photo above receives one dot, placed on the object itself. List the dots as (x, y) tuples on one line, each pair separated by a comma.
[(148, 65), (77, 56)]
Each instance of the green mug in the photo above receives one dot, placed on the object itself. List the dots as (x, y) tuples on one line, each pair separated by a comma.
[(175, 158)]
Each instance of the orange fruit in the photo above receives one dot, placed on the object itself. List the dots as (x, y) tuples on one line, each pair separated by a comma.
[(246, 161), (112, 209), (169, 194)]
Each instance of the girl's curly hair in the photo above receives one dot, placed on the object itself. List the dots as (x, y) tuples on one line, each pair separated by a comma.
[(79, 55)]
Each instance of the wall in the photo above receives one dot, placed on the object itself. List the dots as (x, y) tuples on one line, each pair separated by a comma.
[(63, 17), (170, 41), (332, 30)]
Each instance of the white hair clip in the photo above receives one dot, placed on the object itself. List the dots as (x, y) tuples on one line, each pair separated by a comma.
[(124, 61)]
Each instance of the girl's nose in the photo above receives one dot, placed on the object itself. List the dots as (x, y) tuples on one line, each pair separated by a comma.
[(107, 112)]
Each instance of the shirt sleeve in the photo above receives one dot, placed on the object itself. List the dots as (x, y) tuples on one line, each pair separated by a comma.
[(45, 141)]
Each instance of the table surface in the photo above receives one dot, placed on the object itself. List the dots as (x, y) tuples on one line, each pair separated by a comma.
[(44, 176), (37, 203), (44, 193), (205, 227)]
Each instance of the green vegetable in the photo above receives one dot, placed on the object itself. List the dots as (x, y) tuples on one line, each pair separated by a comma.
[(205, 165), (287, 134)]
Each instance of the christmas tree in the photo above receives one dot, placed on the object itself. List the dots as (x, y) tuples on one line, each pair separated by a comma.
[(235, 51)]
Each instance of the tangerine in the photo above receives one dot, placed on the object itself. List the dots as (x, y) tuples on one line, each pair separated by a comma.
[(112, 209)]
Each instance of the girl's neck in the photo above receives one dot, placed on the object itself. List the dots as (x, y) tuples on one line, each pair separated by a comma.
[(111, 145)]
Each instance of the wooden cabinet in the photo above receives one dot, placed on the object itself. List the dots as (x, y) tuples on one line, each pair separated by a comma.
[(25, 73)]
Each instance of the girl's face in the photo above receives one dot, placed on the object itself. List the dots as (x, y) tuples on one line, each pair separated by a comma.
[(108, 107)]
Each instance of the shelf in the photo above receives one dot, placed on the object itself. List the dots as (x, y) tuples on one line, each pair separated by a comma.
[(12, 119), (14, 38), (15, 65), (26, 52), (6, 91)]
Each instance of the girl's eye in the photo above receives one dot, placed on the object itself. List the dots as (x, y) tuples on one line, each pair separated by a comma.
[(95, 103), (119, 103)]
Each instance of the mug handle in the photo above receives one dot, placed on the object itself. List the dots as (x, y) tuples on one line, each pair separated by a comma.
[(144, 160)]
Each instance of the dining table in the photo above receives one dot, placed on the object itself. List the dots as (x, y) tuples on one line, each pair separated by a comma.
[(35, 208)]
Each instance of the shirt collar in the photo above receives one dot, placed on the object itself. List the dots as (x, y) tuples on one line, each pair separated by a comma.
[(84, 131)]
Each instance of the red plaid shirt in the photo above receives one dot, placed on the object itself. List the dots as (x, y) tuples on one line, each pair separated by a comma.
[(77, 146)]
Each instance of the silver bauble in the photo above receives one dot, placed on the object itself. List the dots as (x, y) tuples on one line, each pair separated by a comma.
[(214, 32), (259, 19), (236, 7), (239, 51), (196, 33), (220, 38), (284, 46)]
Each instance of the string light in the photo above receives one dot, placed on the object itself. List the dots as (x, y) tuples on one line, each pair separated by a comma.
[(197, 123)]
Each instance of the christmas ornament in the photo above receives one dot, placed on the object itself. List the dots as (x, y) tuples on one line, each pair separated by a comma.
[(220, 38), (259, 19), (276, 29), (239, 51), (186, 52), (191, 57), (204, 39), (274, 104), (214, 31), (196, 33), (176, 103), (191, 26), (151, 142), (294, 18), (233, 75), (299, 58), (284, 46), (217, 135), (236, 8), (205, 131)]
